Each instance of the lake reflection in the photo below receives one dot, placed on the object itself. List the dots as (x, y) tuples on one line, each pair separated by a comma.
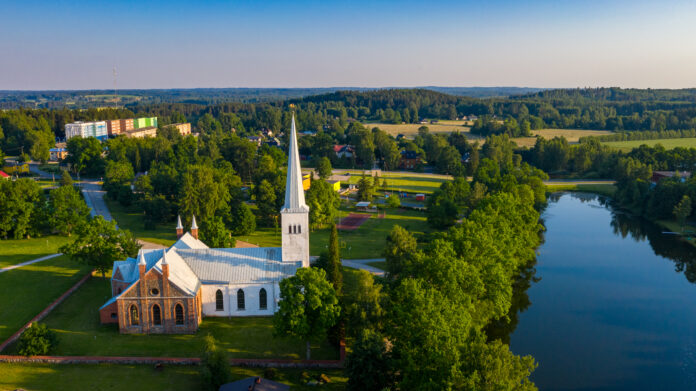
[(610, 303)]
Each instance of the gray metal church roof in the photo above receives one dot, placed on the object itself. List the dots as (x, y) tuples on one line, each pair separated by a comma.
[(238, 265)]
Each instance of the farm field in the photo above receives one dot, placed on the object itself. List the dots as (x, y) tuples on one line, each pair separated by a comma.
[(368, 241), (405, 183), (102, 377), (572, 135), (76, 323), (26, 291), (668, 143), (14, 251), (411, 130)]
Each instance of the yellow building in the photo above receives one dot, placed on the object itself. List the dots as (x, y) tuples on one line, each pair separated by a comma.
[(336, 185), (22, 168), (306, 181)]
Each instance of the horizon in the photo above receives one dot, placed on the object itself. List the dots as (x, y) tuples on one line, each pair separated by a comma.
[(214, 44)]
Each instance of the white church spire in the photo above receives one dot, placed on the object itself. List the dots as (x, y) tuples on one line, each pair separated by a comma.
[(294, 192)]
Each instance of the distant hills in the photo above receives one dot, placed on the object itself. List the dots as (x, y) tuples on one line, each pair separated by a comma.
[(107, 98)]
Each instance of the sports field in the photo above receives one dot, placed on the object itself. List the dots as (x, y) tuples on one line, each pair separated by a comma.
[(668, 143)]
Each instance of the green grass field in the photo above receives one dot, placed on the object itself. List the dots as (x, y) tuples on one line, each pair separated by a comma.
[(368, 241), (603, 189), (133, 220), (76, 322), (668, 143), (13, 251), (28, 290), (104, 377), (406, 183)]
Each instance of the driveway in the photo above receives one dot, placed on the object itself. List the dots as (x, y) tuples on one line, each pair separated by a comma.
[(94, 197), (363, 265)]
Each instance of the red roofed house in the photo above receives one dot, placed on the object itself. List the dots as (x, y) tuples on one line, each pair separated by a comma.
[(4, 175), (343, 150)]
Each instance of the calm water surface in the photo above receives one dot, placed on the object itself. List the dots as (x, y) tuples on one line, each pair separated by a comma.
[(612, 305)]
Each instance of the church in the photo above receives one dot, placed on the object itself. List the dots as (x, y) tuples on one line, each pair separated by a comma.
[(168, 291)]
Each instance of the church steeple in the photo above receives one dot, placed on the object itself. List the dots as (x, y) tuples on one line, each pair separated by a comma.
[(294, 192), (294, 215)]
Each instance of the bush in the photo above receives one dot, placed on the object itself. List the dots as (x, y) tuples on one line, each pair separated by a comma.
[(216, 368), (37, 340)]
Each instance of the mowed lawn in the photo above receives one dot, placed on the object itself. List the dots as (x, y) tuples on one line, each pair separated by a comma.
[(104, 377), (76, 323), (668, 143), (134, 221), (13, 251), (367, 241), (405, 182), (27, 290)]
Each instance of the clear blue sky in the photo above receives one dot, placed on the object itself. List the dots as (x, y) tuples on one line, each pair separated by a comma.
[(185, 44)]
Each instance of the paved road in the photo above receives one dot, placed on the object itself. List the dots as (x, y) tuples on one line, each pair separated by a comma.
[(94, 197), (8, 268), (34, 167), (363, 264)]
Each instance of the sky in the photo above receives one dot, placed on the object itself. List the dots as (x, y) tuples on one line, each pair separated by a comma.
[(361, 43)]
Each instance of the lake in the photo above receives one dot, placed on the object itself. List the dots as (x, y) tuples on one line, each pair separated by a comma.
[(612, 304)]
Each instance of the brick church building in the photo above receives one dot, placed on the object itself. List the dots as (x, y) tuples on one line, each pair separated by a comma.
[(170, 290)]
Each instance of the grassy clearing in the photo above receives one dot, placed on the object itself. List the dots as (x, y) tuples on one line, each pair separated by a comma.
[(76, 322), (598, 188), (411, 130), (405, 182), (13, 251), (668, 143), (137, 377), (28, 290), (133, 220), (368, 241), (572, 135)]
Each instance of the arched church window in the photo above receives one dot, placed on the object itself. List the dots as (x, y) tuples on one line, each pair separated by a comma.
[(240, 299), (299, 229), (134, 315), (219, 301), (179, 314), (156, 315), (263, 300), (289, 229)]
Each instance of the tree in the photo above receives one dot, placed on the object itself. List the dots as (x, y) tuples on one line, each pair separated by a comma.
[(393, 201), (370, 365), (400, 252), (362, 303), (117, 176), (37, 340), (215, 366), (366, 188), (266, 202), (157, 210), (323, 203), (68, 209), (243, 220), (20, 204), (324, 168), (99, 243), (204, 192), (308, 306), (65, 178), (333, 266), (214, 233), (682, 210)]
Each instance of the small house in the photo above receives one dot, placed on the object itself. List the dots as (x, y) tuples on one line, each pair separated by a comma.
[(409, 160), (306, 181), (19, 168), (420, 197), (57, 154), (343, 151), (658, 175), (4, 175)]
